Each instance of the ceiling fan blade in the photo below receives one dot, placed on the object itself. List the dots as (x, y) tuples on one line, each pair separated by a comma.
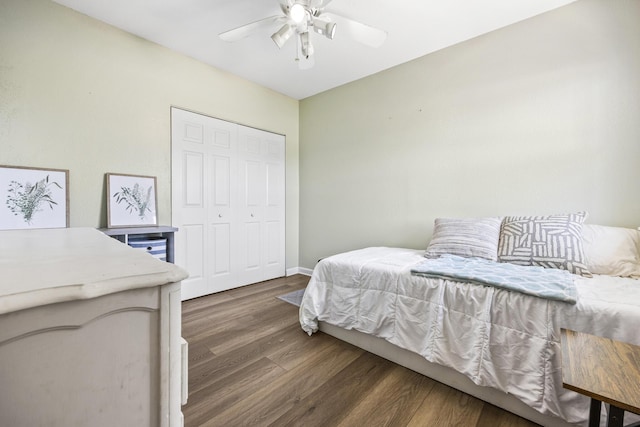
[(319, 4), (248, 29), (362, 33)]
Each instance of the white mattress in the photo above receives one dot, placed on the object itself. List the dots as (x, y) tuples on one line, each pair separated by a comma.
[(498, 338)]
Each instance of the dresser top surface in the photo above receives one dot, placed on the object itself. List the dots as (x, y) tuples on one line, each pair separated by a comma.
[(39, 267)]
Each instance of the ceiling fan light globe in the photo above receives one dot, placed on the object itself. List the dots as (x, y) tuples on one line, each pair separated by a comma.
[(297, 13), (331, 30), (327, 29), (281, 36)]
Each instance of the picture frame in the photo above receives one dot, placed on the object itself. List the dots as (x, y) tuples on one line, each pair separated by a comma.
[(131, 200), (33, 197)]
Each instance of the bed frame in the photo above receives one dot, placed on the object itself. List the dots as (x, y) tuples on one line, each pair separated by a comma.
[(441, 374)]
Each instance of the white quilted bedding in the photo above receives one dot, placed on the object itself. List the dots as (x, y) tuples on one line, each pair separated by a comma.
[(498, 338)]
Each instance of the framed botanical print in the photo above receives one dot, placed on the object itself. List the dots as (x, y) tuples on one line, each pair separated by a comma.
[(131, 201), (33, 198)]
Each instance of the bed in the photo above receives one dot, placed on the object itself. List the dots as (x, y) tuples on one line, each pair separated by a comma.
[(497, 344)]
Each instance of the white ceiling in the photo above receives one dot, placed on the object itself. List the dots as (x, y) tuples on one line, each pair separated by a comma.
[(415, 28)]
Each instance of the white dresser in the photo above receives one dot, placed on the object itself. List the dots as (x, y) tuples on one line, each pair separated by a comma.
[(89, 332)]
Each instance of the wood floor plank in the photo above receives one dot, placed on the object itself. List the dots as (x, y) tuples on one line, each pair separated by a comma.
[(445, 406), (225, 315), (492, 416), (288, 357), (393, 401), (224, 392), (197, 306), (265, 406), (204, 374), (338, 395), (199, 354), (251, 364), (250, 330)]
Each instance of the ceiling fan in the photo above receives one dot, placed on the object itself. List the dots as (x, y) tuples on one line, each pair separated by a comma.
[(299, 18)]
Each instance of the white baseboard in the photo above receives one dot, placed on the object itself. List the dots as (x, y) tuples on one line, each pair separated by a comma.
[(299, 270)]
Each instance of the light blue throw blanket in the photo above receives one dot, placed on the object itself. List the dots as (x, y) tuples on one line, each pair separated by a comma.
[(541, 282)]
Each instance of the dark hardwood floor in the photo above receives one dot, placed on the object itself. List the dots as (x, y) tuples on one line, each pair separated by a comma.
[(250, 364)]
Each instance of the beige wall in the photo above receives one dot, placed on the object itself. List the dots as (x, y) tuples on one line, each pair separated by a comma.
[(539, 117), (78, 94)]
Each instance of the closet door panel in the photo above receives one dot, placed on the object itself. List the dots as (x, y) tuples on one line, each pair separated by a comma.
[(251, 192), (252, 186), (189, 205), (273, 243), (202, 200), (274, 213), (251, 196), (222, 209), (193, 167), (250, 257), (221, 239)]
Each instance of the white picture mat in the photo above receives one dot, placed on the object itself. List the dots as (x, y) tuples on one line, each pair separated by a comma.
[(123, 214), (45, 215)]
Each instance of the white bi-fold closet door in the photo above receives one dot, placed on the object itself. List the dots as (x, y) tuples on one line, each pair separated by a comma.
[(228, 201)]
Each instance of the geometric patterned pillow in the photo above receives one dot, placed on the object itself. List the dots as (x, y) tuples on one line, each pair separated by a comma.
[(552, 241), (465, 237)]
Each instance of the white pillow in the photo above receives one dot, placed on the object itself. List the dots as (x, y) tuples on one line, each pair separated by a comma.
[(614, 251), (465, 237)]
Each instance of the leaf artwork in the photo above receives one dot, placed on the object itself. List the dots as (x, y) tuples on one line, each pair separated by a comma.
[(28, 199), (136, 199)]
